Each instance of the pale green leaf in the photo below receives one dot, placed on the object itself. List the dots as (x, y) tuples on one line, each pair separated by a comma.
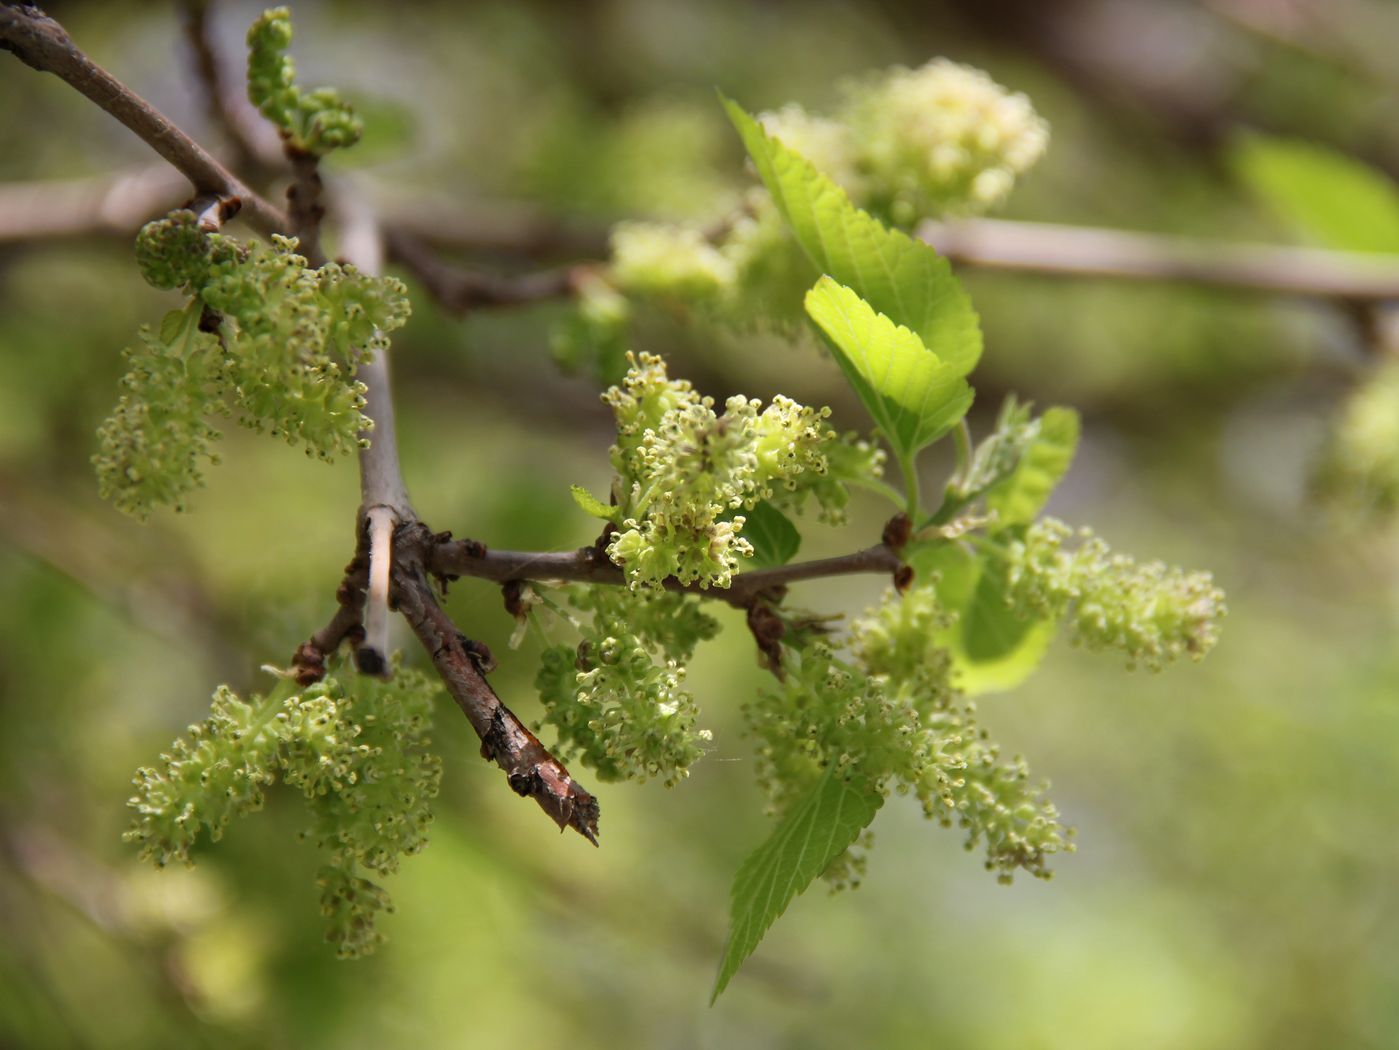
[(1334, 199), (913, 396), (590, 504), (818, 828), (992, 648), (1019, 498), (902, 278), (774, 538)]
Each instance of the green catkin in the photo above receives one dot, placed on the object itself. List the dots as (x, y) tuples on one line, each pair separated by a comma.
[(264, 337), (360, 761)]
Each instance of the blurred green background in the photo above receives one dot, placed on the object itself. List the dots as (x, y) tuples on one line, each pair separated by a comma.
[(1234, 885)]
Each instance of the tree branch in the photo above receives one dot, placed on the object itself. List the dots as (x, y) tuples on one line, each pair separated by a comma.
[(532, 771), (304, 208), (308, 664), (256, 146), (450, 558), (499, 227), (459, 291), (42, 43), (106, 205), (1069, 251)]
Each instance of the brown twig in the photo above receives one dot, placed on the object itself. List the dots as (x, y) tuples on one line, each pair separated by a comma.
[(494, 227), (589, 565), (42, 43), (304, 208), (532, 771), (308, 664), (459, 291)]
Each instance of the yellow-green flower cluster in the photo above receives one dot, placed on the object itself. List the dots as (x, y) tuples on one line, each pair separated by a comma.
[(910, 144), (683, 471), (1359, 469), (155, 440), (263, 335), (617, 699), (314, 121), (657, 258), (1150, 611), (889, 713), (360, 761), (941, 139)]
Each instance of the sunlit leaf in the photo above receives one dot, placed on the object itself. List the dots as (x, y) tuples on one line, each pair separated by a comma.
[(913, 396), (1045, 460), (900, 277), (590, 504)]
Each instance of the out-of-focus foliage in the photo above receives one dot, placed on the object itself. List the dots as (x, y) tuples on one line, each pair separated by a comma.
[(1239, 890)]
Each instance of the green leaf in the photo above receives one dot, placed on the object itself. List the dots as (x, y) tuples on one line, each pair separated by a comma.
[(174, 323), (1332, 198), (774, 538), (817, 829), (902, 278), (1019, 498), (992, 648), (590, 504), (913, 396)]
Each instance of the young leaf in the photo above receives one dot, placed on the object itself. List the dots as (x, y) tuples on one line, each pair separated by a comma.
[(900, 277), (993, 648), (774, 538), (1020, 497), (1333, 198), (817, 829), (913, 396), (590, 504)]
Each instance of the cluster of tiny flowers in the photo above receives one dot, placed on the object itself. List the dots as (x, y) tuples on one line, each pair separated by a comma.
[(1153, 613), (889, 714), (650, 258), (314, 121), (683, 471), (153, 443), (941, 139), (910, 144), (1359, 469), (617, 699), (264, 335), (360, 761), (906, 145)]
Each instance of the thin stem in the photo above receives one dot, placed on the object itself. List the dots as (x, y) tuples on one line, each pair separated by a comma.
[(589, 565), (42, 43), (372, 656), (459, 291), (256, 147), (381, 475), (908, 464), (962, 436), (880, 486)]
